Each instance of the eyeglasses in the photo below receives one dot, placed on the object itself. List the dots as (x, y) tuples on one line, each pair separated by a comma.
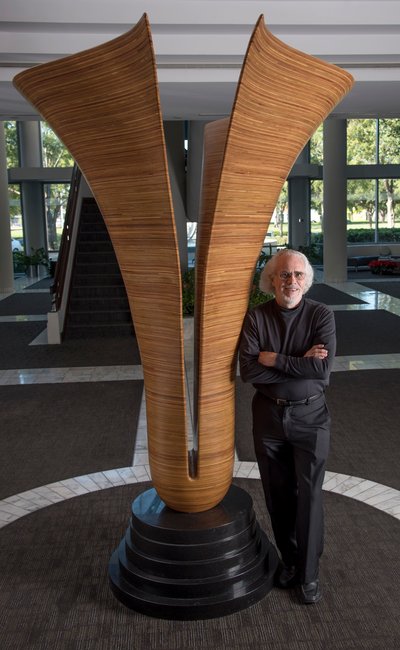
[(298, 275)]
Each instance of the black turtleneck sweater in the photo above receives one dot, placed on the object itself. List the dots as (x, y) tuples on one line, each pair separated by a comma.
[(290, 333)]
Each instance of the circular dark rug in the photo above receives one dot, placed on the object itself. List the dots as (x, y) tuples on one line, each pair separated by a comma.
[(54, 591)]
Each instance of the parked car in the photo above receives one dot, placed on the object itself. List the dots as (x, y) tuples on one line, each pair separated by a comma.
[(16, 245)]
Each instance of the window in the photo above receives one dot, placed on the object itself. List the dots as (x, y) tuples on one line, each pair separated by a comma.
[(16, 225), (361, 197), (361, 142), (55, 199), (316, 204), (278, 227), (389, 142), (389, 208), (373, 210), (316, 146), (12, 150)]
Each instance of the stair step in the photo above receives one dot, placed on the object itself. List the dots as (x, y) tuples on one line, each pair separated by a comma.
[(96, 257), (97, 227), (98, 303), (95, 246), (98, 317), (94, 236), (93, 279), (91, 211), (106, 268), (99, 331), (102, 291)]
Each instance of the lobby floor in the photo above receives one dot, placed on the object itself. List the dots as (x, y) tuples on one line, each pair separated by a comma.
[(57, 535), (15, 506)]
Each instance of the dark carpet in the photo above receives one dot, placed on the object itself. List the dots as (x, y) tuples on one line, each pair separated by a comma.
[(243, 421), (54, 591), (25, 303), (367, 332), (50, 432), (330, 296), (15, 351), (392, 288), (365, 411)]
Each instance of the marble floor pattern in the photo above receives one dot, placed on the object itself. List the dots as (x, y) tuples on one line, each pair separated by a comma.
[(374, 494)]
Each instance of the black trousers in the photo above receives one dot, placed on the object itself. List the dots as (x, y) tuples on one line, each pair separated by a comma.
[(292, 445)]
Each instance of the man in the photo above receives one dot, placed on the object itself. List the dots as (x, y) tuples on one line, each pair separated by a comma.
[(286, 351)]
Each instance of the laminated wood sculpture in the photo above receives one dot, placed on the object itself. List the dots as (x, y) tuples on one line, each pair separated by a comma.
[(103, 103)]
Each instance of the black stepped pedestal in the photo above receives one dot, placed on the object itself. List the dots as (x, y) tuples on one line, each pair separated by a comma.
[(192, 566)]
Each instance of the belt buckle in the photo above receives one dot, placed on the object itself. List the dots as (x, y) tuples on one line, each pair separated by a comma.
[(281, 402)]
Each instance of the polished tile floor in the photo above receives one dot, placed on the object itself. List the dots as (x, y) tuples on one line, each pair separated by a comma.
[(380, 496)]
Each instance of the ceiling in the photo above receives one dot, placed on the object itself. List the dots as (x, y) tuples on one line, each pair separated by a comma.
[(200, 44)]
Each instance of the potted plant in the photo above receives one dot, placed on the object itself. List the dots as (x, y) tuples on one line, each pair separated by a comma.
[(31, 263), (21, 261)]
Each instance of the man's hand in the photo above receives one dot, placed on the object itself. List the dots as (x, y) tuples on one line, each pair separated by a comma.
[(267, 358), (317, 351)]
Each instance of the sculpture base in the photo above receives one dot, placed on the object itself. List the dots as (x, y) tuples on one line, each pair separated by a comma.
[(192, 566)]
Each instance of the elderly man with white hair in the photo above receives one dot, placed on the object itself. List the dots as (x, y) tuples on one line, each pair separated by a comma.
[(287, 350)]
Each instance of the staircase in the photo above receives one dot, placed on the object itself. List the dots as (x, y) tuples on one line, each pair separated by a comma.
[(98, 304)]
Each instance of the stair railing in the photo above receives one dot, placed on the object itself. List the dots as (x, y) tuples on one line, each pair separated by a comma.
[(57, 287)]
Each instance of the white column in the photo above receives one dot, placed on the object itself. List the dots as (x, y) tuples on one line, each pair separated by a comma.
[(6, 259), (335, 201), (194, 169), (32, 192), (174, 140)]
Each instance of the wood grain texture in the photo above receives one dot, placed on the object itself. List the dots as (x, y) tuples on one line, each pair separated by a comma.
[(282, 97), (104, 105)]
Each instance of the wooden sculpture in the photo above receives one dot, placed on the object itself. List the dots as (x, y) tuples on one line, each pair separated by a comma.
[(103, 103)]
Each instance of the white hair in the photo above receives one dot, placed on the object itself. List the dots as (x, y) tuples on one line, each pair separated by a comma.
[(268, 272)]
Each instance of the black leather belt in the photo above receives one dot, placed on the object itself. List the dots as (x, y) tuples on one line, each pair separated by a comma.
[(289, 402)]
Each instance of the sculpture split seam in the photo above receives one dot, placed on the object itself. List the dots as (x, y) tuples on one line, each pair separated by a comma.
[(104, 105)]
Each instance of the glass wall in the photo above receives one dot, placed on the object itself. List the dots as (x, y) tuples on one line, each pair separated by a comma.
[(316, 205), (12, 148), (373, 201), (17, 232), (277, 234), (362, 142), (361, 210), (55, 195), (389, 142), (389, 209), (373, 211), (55, 201), (316, 147)]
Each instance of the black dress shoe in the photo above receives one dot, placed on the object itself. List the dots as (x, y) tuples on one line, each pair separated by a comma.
[(310, 593), (286, 577)]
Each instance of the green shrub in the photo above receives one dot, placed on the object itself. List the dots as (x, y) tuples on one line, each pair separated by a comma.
[(188, 292), (313, 252), (188, 288), (362, 236)]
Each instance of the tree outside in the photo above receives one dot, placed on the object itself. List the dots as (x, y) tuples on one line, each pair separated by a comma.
[(278, 227), (14, 189), (54, 154)]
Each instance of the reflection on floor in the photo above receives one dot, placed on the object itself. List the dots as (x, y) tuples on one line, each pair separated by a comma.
[(380, 496)]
